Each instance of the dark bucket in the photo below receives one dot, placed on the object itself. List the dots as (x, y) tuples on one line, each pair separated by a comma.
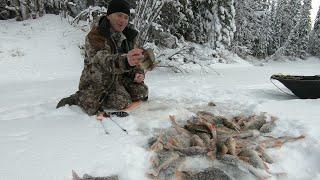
[(305, 87)]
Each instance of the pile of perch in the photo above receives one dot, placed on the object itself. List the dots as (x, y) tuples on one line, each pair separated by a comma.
[(236, 147)]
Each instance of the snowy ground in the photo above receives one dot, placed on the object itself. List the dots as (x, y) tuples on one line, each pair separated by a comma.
[(40, 63)]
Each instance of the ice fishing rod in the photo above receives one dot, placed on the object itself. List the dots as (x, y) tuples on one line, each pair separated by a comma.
[(124, 130), (105, 130), (108, 115), (100, 118)]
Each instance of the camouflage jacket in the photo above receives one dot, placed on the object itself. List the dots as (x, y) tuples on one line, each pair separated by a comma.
[(104, 65)]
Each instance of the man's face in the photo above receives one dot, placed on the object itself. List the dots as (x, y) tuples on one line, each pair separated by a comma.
[(118, 21)]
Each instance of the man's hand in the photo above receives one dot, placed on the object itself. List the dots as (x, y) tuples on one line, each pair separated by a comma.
[(139, 78), (134, 56)]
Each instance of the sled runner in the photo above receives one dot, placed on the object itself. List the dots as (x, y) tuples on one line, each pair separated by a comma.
[(305, 87)]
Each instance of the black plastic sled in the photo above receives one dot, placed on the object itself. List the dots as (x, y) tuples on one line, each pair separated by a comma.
[(305, 87)]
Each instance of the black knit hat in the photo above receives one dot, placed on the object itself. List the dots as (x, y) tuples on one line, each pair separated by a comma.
[(118, 6)]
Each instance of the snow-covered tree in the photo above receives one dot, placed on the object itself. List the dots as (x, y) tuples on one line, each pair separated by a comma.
[(297, 42), (273, 41), (188, 19), (225, 23), (205, 22), (242, 41), (286, 16), (252, 24), (262, 43), (283, 21), (314, 41)]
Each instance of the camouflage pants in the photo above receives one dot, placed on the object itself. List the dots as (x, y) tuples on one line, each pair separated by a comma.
[(123, 95)]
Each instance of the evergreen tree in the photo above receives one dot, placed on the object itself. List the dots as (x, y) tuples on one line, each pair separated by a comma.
[(283, 21), (284, 17), (297, 42), (314, 42), (264, 32), (288, 22), (252, 34), (226, 14), (244, 25), (188, 19), (272, 45), (205, 22), (262, 42)]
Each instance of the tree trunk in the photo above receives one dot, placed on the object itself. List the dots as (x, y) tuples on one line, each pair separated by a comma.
[(40, 5), (24, 9)]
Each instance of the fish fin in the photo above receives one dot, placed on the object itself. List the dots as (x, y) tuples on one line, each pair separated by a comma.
[(75, 176), (179, 175), (173, 120)]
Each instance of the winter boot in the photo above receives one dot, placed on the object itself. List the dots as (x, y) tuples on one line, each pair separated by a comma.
[(67, 101), (145, 98)]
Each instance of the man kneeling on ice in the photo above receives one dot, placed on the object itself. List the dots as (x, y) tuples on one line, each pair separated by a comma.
[(112, 77)]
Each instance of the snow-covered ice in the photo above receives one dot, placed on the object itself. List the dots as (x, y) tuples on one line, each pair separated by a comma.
[(40, 63)]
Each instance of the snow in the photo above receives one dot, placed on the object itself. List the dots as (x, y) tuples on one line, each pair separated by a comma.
[(40, 63)]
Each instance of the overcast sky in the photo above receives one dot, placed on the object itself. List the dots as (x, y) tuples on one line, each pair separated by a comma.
[(314, 10)]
